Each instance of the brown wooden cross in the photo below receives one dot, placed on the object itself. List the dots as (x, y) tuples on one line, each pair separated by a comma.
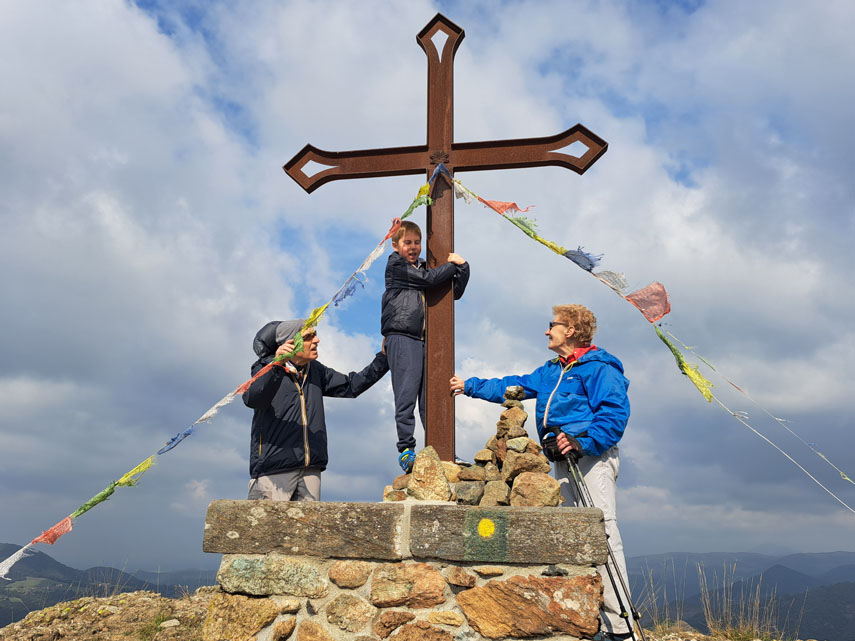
[(470, 156)]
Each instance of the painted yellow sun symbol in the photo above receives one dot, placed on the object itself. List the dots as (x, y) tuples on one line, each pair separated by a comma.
[(486, 528)]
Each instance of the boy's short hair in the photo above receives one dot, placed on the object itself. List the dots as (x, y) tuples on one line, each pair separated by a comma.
[(579, 317), (406, 226)]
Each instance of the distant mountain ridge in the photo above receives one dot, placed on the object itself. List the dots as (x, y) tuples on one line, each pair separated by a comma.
[(813, 593), (680, 569)]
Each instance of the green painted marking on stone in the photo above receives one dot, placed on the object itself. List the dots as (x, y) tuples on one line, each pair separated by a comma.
[(485, 534)]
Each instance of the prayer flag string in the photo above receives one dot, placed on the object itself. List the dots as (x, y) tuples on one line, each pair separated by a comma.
[(780, 421), (740, 416), (349, 286), (131, 478), (652, 301)]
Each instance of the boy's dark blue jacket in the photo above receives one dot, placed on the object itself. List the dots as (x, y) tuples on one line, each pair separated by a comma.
[(288, 426), (403, 308)]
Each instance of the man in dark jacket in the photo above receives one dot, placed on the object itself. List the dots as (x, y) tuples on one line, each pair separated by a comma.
[(402, 322), (288, 447)]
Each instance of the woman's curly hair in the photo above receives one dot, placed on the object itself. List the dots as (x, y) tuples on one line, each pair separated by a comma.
[(579, 318)]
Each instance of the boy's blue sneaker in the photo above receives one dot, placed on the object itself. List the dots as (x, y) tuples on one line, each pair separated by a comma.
[(406, 459)]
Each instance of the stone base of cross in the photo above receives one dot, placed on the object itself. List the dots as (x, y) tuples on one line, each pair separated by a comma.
[(440, 39)]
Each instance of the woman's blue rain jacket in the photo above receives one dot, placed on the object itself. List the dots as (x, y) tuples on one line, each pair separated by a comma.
[(590, 403)]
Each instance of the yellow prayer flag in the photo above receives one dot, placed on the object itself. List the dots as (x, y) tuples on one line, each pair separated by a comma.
[(698, 381), (130, 478), (313, 319)]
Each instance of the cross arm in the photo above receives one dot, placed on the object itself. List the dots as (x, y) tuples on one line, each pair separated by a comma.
[(529, 152), (365, 163)]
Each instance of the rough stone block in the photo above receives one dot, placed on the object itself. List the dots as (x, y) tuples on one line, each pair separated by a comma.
[(414, 585), (283, 629), (495, 493), (341, 530), (312, 631), (515, 464), (427, 480), (511, 417), (268, 574), (457, 576), (349, 612), (533, 448), (237, 618), (390, 620), (489, 571), (524, 607), (422, 631), (518, 444), (400, 482), (447, 617), (484, 456), (474, 473), (350, 574), (390, 494), (492, 472), (514, 392), (534, 489), (287, 605), (517, 432), (508, 535), (469, 492), (452, 470)]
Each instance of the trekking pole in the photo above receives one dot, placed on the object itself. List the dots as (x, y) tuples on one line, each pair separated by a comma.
[(584, 495)]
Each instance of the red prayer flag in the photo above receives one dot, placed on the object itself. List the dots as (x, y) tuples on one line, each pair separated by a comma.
[(501, 207), (652, 301), (245, 385), (50, 536)]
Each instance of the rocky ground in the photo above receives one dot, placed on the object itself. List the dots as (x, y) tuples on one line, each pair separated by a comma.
[(146, 616), (131, 616)]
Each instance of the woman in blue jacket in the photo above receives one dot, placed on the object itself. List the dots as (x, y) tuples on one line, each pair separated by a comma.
[(581, 397)]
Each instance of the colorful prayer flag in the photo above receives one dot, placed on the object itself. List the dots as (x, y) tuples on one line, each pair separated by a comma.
[(50, 536)]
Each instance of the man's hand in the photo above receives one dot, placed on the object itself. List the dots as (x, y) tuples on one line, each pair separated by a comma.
[(285, 348), (457, 385), (457, 259)]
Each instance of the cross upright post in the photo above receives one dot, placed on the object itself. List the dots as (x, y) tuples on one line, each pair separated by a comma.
[(441, 148)]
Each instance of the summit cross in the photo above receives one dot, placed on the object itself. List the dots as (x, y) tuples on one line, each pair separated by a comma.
[(440, 39)]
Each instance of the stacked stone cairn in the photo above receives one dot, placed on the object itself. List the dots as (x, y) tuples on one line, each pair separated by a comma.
[(510, 470)]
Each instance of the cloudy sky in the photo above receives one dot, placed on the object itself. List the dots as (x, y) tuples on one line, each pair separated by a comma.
[(148, 231)]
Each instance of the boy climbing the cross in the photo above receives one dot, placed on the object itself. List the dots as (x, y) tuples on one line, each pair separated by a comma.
[(402, 323)]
